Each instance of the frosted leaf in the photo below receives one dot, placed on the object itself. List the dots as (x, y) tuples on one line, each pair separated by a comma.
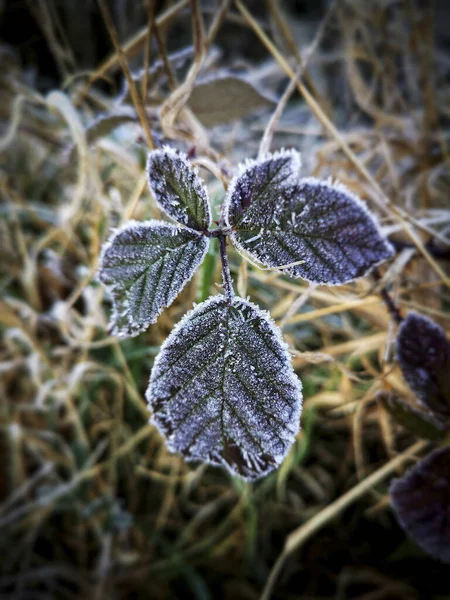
[(258, 184), (223, 390), (423, 353), (145, 266), (421, 501), (178, 189), (320, 229)]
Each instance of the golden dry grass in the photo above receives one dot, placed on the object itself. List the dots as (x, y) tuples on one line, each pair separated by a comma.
[(93, 505)]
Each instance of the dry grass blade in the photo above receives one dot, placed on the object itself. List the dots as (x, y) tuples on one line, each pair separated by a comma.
[(92, 504), (383, 202), (137, 100), (151, 5), (131, 47), (300, 535), (176, 102)]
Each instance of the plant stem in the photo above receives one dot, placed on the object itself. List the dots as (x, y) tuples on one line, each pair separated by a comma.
[(393, 309), (226, 275)]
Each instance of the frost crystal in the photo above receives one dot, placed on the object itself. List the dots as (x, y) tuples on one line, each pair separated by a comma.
[(424, 356), (145, 266), (421, 501), (178, 189), (258, 185), (223, 389), (322, 231)]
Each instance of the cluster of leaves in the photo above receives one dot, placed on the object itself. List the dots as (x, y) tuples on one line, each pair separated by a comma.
[(421, 498), (222, 388)]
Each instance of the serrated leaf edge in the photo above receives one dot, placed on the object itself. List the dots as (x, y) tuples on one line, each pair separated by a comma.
[(248, 163), (336, 185), (166, 149), (134, 331), (219, 298)]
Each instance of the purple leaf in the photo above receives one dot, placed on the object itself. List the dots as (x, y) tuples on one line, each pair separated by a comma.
[(258, 185), (178, 189), (223, 390), (421, 502), (315, 230), (423, 353), (145, 266)]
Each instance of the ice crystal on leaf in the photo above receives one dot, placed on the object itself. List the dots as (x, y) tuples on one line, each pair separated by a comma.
[(145, 266), (258, 187), (178, 189), (315, 230), (223, 389), (424, 356), (421, 501)]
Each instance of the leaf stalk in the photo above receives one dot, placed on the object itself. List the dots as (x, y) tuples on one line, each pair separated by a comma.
[(226, 275)]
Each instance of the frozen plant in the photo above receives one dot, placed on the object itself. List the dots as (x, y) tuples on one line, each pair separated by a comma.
[(222, 388), (421, 498)]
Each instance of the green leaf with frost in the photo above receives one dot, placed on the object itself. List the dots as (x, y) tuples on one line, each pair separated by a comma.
[(223, 390), (312, 229), (178, 189), (145, 266)]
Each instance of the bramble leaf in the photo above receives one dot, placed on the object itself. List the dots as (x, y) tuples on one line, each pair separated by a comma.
[(255, 190), (223, 389), (145, 266), (421, 501), (178, 189), (315, 230), (423, 353)]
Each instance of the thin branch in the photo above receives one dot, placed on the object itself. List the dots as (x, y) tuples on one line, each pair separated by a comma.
[(391, 306), (130, 48), (198, 29), (266, 140), (226, 275), (137, 101), (148, 45)]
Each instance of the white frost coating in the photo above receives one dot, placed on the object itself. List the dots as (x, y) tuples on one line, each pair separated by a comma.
[(178, 188), (145, 265), (319, 225), (223, 389), (278, 170)]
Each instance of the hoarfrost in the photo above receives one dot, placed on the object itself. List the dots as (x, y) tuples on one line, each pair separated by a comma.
[(320, 226), (223, 389), (178, 189), (145, 265), (258, 184)]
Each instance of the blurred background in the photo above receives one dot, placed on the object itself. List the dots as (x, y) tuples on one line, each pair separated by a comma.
[(92, 505)]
